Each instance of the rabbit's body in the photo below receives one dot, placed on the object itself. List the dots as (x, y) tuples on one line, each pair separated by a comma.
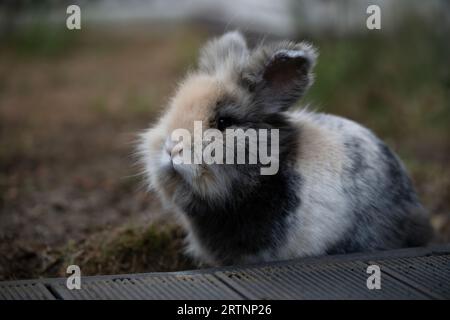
[(338, 188)]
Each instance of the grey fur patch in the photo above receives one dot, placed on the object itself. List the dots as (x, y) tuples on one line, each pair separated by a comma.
[(386, 210), (229, 51)]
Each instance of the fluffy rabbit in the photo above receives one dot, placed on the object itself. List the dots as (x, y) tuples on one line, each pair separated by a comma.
[(338, 188)]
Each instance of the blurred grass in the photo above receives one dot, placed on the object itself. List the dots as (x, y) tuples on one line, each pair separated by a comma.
[(394, 84), (43, 40)]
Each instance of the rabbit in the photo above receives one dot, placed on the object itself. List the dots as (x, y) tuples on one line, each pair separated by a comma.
[(338, 188)]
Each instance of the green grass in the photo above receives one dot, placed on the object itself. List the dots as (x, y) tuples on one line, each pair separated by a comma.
[(41, 39)]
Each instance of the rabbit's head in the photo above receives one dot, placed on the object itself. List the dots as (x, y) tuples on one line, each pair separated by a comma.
[(232, 88)]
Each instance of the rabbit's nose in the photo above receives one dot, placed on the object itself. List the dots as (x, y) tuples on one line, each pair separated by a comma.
[(176, 150), (168, 146)]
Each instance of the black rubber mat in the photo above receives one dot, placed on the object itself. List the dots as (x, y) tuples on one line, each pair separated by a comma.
[(417, 273)]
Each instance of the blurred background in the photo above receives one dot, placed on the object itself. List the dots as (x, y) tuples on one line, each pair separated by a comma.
[(72, 102)]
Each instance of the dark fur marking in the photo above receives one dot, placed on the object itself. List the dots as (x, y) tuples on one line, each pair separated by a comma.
[(254, 216), (249, 222)]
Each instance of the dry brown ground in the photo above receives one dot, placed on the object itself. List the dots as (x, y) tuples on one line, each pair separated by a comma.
[(68, 126)]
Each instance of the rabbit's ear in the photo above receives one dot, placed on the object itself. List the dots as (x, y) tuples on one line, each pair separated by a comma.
[(279, 75), (228, 51)]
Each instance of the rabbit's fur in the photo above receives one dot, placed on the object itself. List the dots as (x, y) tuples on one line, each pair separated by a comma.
[(339, 189)]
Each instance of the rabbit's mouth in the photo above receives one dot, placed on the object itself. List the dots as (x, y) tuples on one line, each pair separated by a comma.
[(191, 173), (206, 181)]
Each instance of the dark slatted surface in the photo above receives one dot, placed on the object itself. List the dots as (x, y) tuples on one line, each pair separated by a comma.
[(167, 286), (315, 281), (429, 274), (418, 273), (24, 291)]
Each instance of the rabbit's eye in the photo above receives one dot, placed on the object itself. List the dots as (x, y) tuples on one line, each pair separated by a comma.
[(224, 122)]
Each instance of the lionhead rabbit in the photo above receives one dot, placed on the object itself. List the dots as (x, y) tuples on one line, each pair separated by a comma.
[(337, 188)]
